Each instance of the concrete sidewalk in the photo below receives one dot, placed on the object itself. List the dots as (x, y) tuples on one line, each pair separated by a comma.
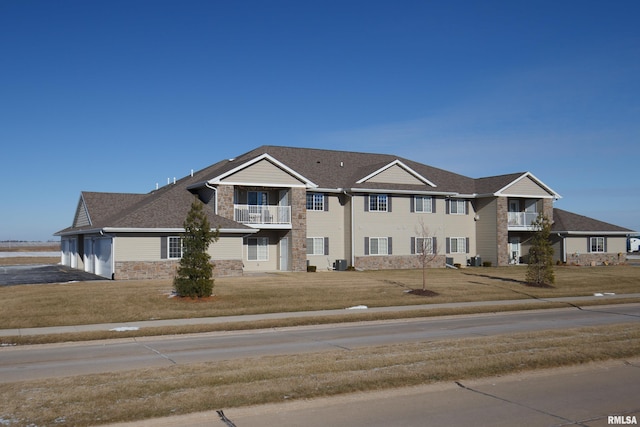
[(585, 395), (271, 316)]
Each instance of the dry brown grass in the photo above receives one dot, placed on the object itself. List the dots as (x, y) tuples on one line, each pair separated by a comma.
[(29, 260), (135, 395), (123, 301), (26, 247)]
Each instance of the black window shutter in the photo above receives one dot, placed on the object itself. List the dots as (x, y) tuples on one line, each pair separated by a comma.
[(447, 203), (326, 246), (434, 245), (588, 244), (448, 244), (366, 203), (412, 204), (388, 202), (433, 205), (326, 202), (466, 244), (366, 246), (413, 245), (466, 208), (605, 244), (389, 246), (163, 247)]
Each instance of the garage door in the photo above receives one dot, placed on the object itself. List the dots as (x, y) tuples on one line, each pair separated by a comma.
[(104, 257)]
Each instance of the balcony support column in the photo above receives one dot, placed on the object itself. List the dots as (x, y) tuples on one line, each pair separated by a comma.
[(225, 201), (502, 223), (298, 231)]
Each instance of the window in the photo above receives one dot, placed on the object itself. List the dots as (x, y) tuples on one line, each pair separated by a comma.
[(423, 204), (258, 248), (317, 246), (457, 207), (423, 245), (378, 203), (175, 247), (457, 245), (378, 246), (596, 244), (258, 198), (315, 201)]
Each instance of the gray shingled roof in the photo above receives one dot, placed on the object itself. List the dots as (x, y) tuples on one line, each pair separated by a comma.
[(491, 184), (167, 207), (342, 169), (564, 221)]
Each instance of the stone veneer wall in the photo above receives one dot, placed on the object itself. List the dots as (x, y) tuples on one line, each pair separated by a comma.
[(547, 209), (596, 259), (502, 230), (225, 201), (298, 233), (391, 262), (142, 270)]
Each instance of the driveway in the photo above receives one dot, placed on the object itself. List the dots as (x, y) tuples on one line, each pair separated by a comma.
[(46, 273)]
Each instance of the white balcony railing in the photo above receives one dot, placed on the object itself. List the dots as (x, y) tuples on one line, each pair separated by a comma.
[(522, 219), (262, 214)]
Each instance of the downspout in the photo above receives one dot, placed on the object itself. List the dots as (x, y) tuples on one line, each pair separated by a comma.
[(215, 190)]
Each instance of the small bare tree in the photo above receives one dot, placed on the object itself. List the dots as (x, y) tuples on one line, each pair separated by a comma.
[(426, 249)]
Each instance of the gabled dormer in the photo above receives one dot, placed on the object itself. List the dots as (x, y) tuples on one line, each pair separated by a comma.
[(396, 172)]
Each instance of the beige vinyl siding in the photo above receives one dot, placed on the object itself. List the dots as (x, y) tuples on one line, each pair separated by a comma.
[(227, 247), (526, 187), (486, 230), (148, 248), (401, 225), (578, 244), (395, 175), (137, 248), (459, 226), (263, 172), (329, 224), (616, 245), (273, 261)]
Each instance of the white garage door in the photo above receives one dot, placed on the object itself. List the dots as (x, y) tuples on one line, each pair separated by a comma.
[(103, 257)]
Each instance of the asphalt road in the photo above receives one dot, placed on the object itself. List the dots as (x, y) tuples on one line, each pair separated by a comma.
[(40, 274), (67, 359)]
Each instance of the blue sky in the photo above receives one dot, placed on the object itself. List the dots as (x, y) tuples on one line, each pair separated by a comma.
[(120, 95)]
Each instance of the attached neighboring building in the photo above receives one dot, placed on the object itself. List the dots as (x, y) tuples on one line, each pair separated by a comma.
[(283, 208), (581, 240)]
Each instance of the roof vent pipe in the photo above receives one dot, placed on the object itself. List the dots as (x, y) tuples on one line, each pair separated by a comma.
[(191, 173), (174, 179)]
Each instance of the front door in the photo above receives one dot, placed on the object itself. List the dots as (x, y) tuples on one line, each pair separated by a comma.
[(514, 250)]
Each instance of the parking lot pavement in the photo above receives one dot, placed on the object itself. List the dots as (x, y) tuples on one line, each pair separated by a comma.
[(39, 274)]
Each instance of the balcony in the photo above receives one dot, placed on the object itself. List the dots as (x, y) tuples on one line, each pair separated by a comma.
[(263, 216), (522, 220)]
